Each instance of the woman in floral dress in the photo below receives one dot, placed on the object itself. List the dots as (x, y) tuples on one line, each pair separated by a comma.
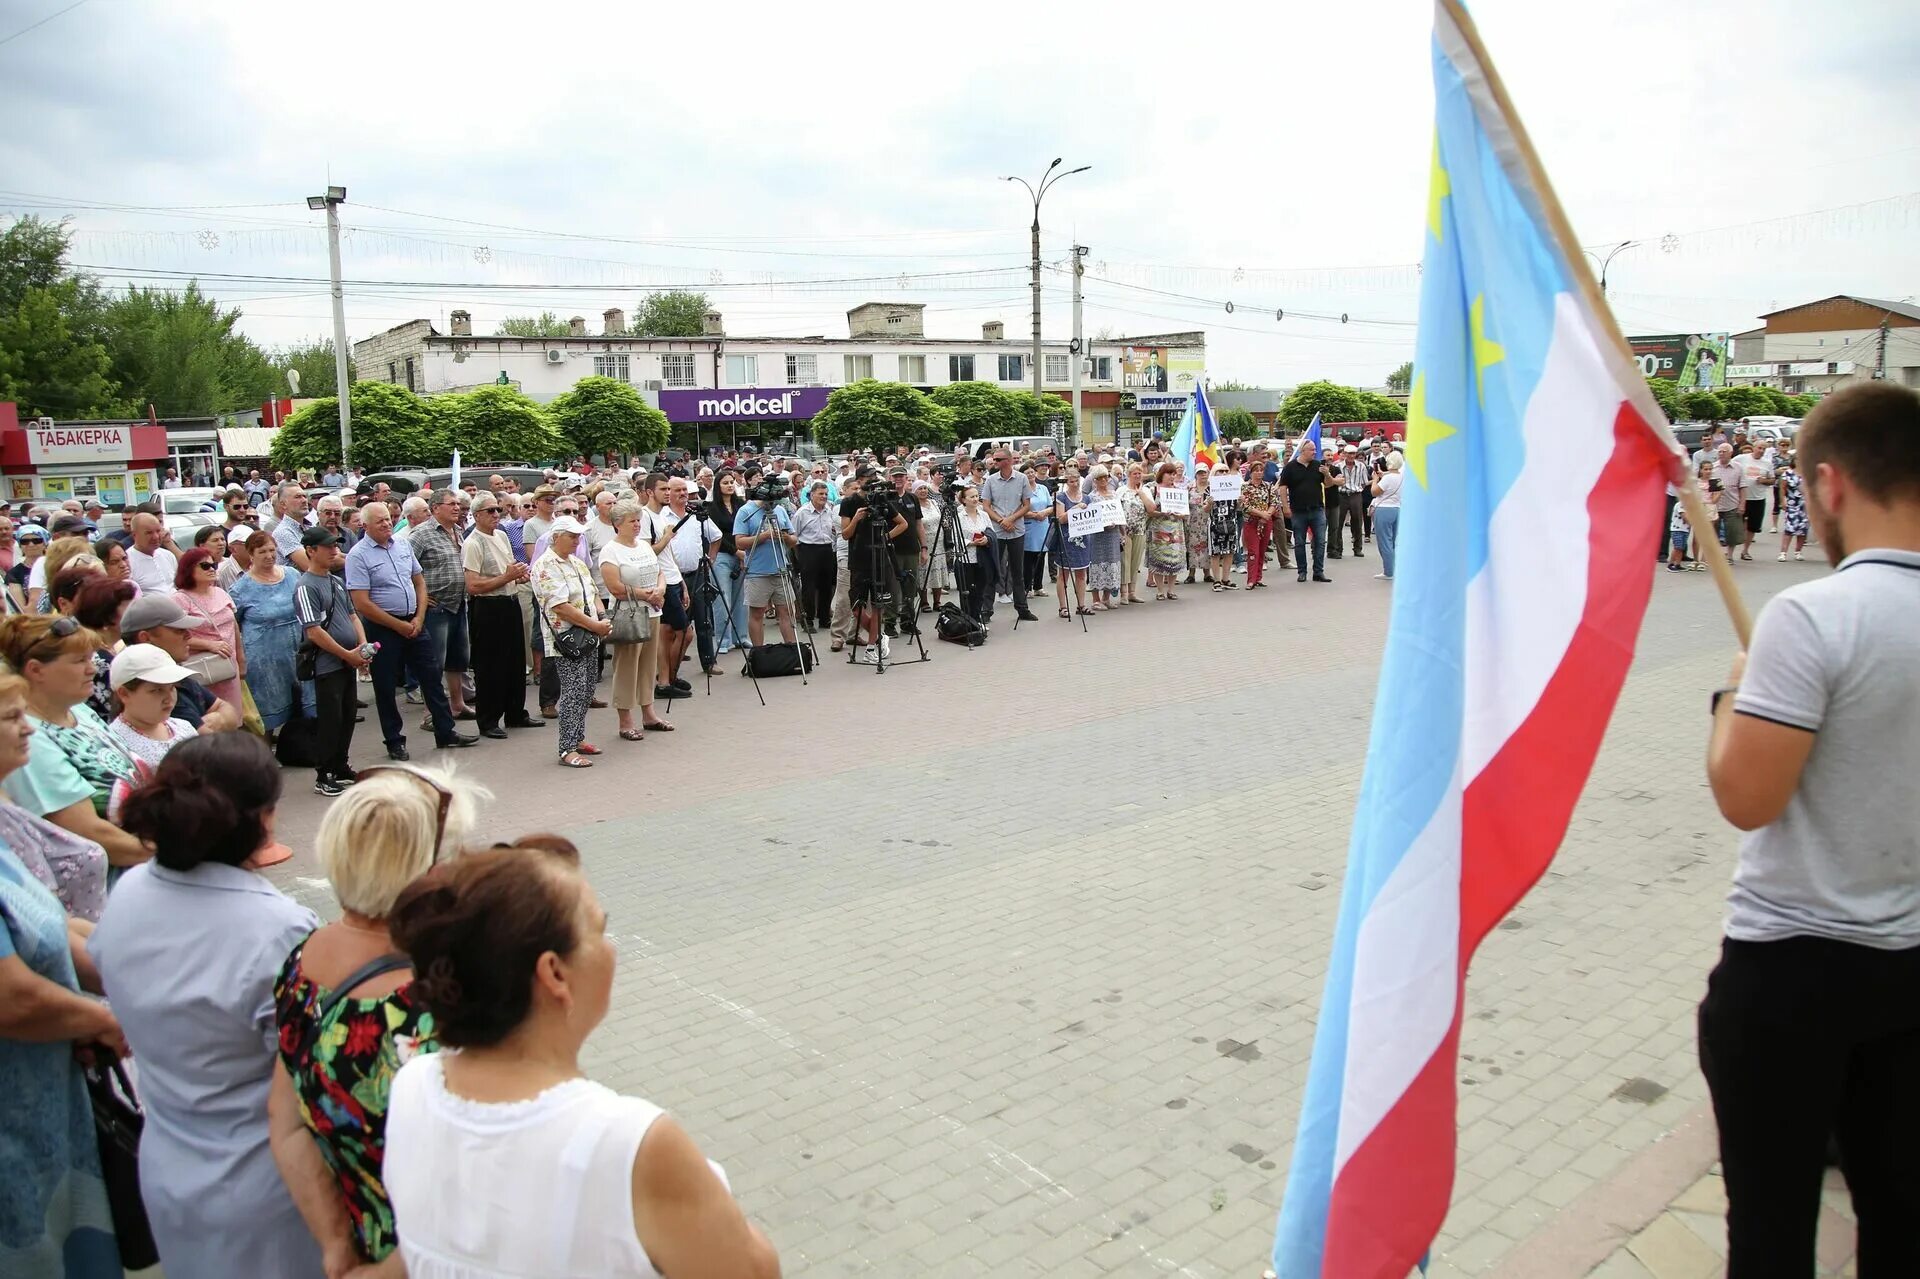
[(1133, 542), (269, 633), (1199, 524), (1166, 535), (1794, 497)]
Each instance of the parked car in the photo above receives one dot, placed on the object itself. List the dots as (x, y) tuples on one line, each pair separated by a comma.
[(409, 481), (979, 449)]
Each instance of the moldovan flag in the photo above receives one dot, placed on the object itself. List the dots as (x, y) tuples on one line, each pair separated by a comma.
[(1535, 467), (1197, 440)]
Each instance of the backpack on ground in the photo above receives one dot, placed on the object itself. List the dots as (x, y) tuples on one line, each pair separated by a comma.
[(955, 627), (772, 660)]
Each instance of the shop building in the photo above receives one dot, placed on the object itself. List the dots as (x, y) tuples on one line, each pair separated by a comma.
[(44, 460), (764, 387), (1818, 347)]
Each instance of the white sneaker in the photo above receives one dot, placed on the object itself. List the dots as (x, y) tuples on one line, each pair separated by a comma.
[(1783, 557), (869, 655), (886, 648)]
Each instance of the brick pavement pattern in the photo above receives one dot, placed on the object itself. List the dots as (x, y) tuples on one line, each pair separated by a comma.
[(949, 998)]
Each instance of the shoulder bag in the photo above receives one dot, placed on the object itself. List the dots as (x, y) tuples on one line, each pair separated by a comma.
[(117, 1121), (633, 620), (576, 641)]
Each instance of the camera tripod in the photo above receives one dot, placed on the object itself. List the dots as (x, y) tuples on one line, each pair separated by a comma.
[(950, 544), (784, 574), (888, 586)]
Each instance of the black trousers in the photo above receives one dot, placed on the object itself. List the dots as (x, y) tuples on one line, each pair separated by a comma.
[(1348, 515), (499, 660), (1801, 1040), (976, 586), (819, 574), (336, 702)]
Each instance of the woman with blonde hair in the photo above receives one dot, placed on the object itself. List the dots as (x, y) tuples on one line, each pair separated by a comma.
[(1166, 533), (62, 552), (1133, 539), (630, 574), (346, 1011), (1103, 573)]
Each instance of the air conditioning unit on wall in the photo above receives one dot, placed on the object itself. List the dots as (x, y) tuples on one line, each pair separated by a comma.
[(556, 356)]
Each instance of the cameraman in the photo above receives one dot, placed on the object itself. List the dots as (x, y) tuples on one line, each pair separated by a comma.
[(760, 532), (908, 558), (695, 541), (857, 527)]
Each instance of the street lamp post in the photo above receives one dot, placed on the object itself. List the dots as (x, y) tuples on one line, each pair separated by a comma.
[(1607, 261), (1039, 193), (331, 202)]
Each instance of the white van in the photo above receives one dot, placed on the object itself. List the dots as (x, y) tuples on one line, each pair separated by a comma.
[(978, 450)]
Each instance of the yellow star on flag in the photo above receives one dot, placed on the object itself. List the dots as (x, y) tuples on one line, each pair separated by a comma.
[(1485, 353), (1438, 189), (1422, 430)]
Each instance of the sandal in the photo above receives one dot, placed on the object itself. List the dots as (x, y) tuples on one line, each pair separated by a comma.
[(587, 748), (573, 760), (657, 726), (1084, 611), (1217, 588), (632, 735), (1170, 594), (1063, 613)]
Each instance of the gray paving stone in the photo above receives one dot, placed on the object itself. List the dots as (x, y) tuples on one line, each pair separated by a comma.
[(928, 997)]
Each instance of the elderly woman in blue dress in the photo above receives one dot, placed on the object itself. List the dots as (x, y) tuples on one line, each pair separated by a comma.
[(203, 1032), (54, 1218)]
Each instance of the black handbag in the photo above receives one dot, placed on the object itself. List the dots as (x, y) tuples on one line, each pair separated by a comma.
[(576, 642), (117, 1121)]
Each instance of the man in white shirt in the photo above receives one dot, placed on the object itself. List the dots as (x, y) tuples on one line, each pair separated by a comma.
[(1756, 481), (694, 543), (152, 563)]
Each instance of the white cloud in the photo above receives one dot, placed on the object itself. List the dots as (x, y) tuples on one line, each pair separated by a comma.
[(1288, 141)]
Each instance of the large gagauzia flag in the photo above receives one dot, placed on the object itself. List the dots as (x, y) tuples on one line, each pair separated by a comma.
[(1535, 465)]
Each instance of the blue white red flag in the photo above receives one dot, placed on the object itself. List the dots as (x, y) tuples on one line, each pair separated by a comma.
[(1197, 439), (1312, 436), (1535, 465)]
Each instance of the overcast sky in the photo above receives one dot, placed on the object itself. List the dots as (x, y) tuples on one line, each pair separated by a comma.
[(1274, 156)]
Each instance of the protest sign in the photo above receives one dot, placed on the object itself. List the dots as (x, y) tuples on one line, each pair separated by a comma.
[(1172, 500), (1224, 488)]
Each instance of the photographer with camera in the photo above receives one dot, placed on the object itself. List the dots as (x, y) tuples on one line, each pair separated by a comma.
[(909, 558), (762, 534), (694, 542), (860, 517)]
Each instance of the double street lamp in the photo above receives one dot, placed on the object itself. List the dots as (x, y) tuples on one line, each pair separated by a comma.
[(1607, 261), (1039, 193), (331, 202)]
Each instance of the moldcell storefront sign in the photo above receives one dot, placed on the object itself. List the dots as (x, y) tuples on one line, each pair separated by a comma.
[(744, 404)]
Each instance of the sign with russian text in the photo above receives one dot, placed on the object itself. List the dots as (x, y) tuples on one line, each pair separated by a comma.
[(1172, 499), (49, 444)]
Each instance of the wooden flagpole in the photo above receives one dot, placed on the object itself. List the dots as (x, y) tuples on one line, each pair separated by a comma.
[(1703, 532)]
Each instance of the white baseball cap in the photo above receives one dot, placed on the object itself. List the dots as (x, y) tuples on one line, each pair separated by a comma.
[(567, 524), (148, 663)]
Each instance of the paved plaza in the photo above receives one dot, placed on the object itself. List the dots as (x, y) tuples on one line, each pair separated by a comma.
[(1008, 963)]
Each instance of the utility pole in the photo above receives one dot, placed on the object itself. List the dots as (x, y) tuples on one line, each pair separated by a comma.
[(331, 202), (1880, 362), (1038, 193), (1079, 342)]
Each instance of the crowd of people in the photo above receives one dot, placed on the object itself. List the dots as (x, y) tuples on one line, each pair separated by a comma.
[(301, 1118)]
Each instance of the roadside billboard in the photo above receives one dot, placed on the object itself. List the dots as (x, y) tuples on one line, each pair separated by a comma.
[(1697, 361)]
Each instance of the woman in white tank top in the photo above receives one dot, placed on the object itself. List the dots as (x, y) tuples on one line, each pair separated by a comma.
[(503, 1159)]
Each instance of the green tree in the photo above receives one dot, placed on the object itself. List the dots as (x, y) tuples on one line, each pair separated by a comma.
[(675, 313), (881, 415), (604, 415), (1778, 401), (497, 424), (392, 427), (313, 361), (53, 356), (46, 367), (980, 410), (1401, 378), (1038, 414), (179, 352), (544, 325), (1801, 405), (1703, 406), (1744, 401), (1238, 424), (1666, 393), (1333, 402), (1379, 408)]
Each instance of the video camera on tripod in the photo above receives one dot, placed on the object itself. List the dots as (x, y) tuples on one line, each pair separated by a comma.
[(768, 488)]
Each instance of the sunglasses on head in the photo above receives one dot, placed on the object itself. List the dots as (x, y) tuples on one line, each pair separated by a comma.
[(445, 797)]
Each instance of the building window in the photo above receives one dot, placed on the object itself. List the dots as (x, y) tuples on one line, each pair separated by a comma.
[(1057, 369), (895, 318), (410, 385), (1009, 368), (1103, 426), (393, 373), (676, 370), (1102, 368), (617, 367), (859, 367), (959, 368), (803, 370), (743, 370), (913, 369)]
